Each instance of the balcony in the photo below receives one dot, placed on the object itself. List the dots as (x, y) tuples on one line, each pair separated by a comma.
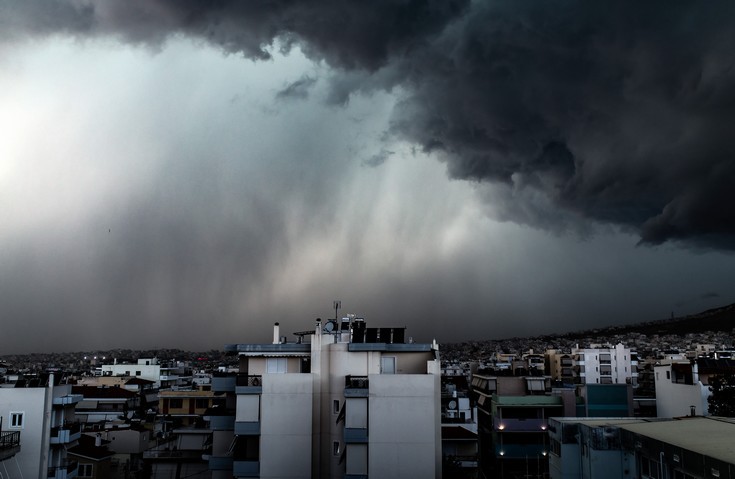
[(220, 463), (520, 451), (224, 383), (172, 455), (66, 434), (356, 386), (9, 444), (521, 425), (247, 428), (68, 399), (65, 471), (356, 435), (247, 384), (246, 468)]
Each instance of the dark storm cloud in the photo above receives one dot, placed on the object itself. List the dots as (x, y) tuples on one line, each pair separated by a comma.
[(378, 158), (619, 112), (298, 89)]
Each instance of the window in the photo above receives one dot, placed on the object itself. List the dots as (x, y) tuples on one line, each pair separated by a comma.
[(335, 448), (175, 403), (668, 374), (85, 470), (138, 373), (16, 420), (388, 365), (202, 403), (277, 365), (335, 406)]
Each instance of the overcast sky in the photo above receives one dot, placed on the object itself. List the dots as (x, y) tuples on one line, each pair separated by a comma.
[(183, 174)]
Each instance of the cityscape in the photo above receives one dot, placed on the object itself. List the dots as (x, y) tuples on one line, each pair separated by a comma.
[(346, 399), (526, 206)]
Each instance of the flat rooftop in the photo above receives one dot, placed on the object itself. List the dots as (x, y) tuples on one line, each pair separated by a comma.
[(709, 436)]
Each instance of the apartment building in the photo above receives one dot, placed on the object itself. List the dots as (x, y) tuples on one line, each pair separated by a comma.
[(185, 407), (344, 401), (626, 448), (595, 365), (163, 375), (682, 387), (41, 411)]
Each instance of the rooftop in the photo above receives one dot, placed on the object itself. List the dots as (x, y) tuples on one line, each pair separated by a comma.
[(709, 436)]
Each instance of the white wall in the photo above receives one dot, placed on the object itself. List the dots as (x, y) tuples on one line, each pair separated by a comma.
[(30, 401), (403, 423), (248, 408), (286, 412), (673, 400)]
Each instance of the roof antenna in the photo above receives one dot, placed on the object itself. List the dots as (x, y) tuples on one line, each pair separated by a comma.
[(337, 307)]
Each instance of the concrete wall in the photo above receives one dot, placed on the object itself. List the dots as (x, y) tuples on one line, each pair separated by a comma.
[(673, 400), (126, 441), (286, 420), (31, 402), (403, 426), (248, 408)]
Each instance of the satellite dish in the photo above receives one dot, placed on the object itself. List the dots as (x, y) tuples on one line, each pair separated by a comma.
[(329, 327), (452, 404)]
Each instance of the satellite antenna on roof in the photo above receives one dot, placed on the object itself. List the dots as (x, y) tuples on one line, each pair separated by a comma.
[(337, 307)]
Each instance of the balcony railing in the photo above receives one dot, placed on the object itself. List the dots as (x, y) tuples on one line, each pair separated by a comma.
[(224, 382), (65, 471), (356, 386), (9, 444), (66, 433), (9, 439), (357, 382), (246, 380)]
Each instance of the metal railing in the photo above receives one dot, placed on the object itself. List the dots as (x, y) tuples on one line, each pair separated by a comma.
[(72, 427), (68, 467), (357, 382), (9, 439), (249, 381)]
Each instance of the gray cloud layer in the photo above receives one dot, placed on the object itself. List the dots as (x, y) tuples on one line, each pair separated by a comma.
[(620, 112)]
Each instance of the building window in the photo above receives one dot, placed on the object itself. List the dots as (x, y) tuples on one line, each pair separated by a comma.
[(138, 373), (335, 406), (202, 403), (175, 403), (388, 365), (85, 470), (668, 374), (276, 365), (335, 448), (16, 420)]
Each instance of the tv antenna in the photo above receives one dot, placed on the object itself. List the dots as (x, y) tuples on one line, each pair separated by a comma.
[(337, 306)]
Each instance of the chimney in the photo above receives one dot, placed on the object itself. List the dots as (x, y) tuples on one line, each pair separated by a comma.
[(276, 334)]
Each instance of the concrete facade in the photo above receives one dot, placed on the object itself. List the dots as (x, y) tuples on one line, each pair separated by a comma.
[(340, 405), (47, 428)]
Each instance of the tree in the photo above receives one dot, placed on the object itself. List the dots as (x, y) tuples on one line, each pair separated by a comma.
[(722, 400)]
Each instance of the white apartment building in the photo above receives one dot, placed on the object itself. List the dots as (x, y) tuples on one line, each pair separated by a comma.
[(607, 365), (163, 376), (351, 402), (596, 365), (43, 414)]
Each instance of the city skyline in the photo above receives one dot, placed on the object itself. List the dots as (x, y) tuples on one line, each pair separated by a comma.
[(180, 175)]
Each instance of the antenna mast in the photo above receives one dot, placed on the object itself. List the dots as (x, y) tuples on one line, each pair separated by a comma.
[(337, 307)]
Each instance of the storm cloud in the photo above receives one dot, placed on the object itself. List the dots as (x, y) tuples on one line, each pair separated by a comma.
[(185, 173), (615, 113)]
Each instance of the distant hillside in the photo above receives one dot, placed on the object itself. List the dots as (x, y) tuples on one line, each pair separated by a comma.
[(716, 319)]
